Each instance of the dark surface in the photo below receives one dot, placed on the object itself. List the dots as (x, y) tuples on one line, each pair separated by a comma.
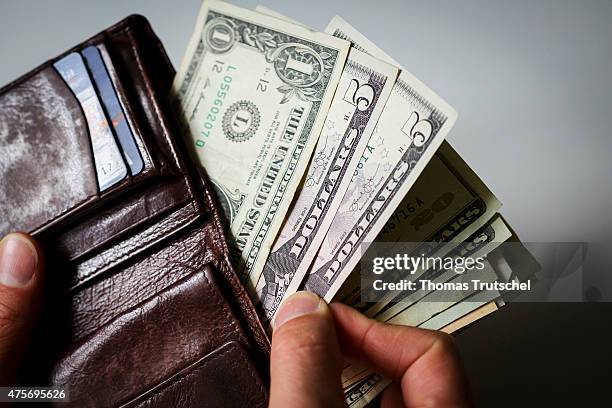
[(540, 355)]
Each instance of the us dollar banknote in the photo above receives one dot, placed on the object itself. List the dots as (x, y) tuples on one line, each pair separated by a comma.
[(409, 131), (260, 8), (480, 244), (457, 311), (361, 95), (363, 90), (436, 302), (460, 316), (361, 393), (407, 309), (253, 92), (448, 203)]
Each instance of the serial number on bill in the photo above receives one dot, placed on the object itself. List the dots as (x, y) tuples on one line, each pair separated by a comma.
[(32, 394)]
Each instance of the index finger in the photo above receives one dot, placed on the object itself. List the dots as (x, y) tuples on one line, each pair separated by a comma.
[(425, 362)]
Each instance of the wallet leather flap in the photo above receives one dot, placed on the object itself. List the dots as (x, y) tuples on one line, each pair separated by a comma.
[(224, 378), (155, 339), (46, 165)]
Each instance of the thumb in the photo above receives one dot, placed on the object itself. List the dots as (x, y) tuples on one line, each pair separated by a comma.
[(306, 362), (20, 287)]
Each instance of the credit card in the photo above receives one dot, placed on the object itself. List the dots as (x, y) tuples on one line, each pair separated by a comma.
[(108, 95), (110, 168)]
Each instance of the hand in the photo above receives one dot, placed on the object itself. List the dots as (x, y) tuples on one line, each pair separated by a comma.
[(21, 273), (311, 338)]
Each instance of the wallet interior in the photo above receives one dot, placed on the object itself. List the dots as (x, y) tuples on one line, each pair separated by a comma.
[(142, 304)]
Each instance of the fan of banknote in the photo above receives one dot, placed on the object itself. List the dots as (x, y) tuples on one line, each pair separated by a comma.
[(319, 143)]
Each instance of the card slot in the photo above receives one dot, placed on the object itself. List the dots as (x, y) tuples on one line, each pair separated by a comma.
[(105, 220), (140, 102), (130, 115), (141, 266), (114, 111), (132, 246), (46, 163), (69, 317), (51, 200), (127, 214), (155, 339), (47, 169), (79, 77)]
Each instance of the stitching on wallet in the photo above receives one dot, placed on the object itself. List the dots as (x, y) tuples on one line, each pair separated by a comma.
[(203, 364), (146, 239), (252, 374), (219, 302), (158, 113), (144, 80)]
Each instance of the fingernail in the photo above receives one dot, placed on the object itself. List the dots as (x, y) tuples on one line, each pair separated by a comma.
[(18, 259), (298, 304)]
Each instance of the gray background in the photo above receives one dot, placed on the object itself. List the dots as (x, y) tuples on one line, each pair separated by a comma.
[(531, 82)]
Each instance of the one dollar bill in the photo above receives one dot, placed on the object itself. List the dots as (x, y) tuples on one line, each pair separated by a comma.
[(253, 92)]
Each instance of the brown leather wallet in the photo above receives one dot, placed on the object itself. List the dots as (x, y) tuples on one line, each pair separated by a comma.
[(142, 306)]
